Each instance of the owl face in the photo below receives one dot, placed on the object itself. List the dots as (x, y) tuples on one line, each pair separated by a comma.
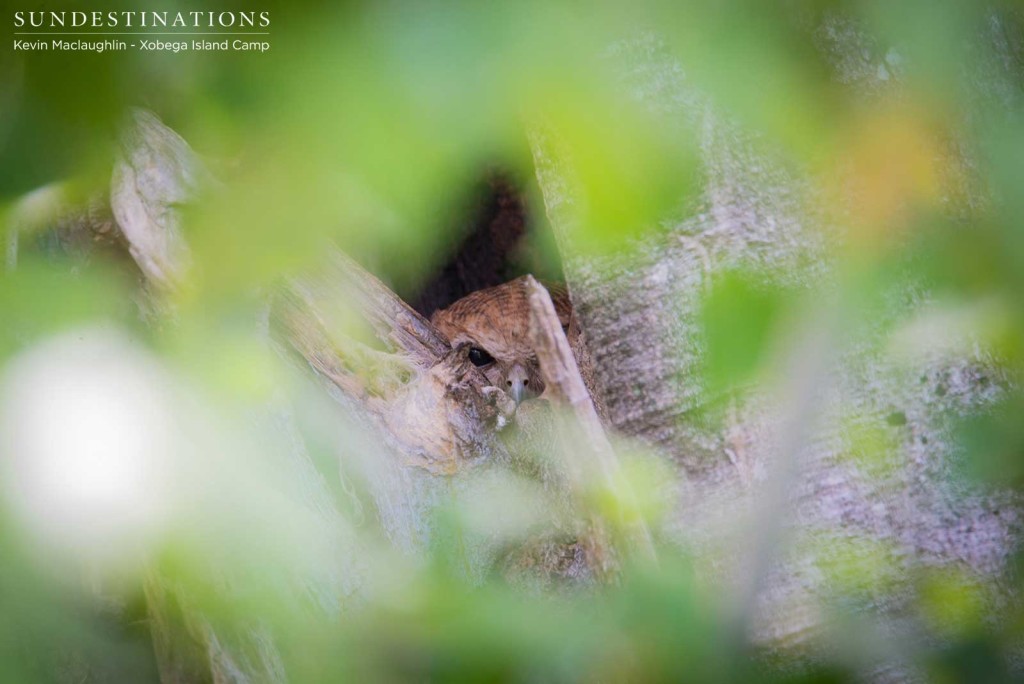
[(494, 325), (519, 376)]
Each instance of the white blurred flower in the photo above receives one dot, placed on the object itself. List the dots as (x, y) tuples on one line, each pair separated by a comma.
[(85, 431)]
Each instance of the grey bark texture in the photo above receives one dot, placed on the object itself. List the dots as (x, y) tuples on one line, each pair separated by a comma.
[(155, 172), (771, 496)]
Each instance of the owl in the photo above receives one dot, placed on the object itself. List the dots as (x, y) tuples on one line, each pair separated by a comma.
[(495, 323)]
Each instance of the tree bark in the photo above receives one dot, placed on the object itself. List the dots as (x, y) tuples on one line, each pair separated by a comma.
[(767, 498)]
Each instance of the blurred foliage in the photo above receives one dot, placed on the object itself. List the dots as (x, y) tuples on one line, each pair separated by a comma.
[(740, 316), (365, 125)]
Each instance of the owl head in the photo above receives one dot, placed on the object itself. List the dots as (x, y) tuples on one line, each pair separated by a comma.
[(495, 326)]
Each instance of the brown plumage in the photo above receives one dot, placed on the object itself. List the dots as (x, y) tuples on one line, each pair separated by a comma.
[(495, 323)]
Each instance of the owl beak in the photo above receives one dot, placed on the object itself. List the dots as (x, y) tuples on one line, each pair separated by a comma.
[(517, 382)]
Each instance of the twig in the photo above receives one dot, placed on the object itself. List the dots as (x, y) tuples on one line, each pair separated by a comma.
[(562, 379)]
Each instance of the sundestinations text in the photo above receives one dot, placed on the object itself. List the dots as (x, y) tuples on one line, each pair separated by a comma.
[(141, 19)]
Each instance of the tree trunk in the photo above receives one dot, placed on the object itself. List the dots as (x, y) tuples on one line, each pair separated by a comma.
[(770, 493)]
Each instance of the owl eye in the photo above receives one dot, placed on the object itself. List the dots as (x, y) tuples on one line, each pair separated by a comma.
[(479, 357)]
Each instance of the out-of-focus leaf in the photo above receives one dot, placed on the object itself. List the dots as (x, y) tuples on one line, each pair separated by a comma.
[(41, 298), (993, 442), (740, 316)]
